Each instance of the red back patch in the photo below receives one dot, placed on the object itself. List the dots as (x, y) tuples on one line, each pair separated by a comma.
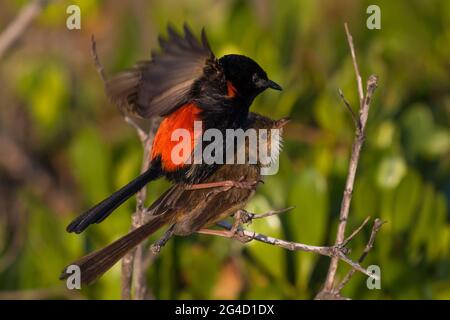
[(182, 118)]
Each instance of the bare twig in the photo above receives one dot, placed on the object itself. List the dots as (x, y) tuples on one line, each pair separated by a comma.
[(140, 269), (249, 216), (18, 26), (334, 251), (98, 64), (349, 108), (143, 136), (355, 65), (376, 227), (127, 275), (134, 261), (356, 150), (354, 233), (101, 71)]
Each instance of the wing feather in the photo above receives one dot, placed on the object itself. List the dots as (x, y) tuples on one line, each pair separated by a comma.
[(159, 86)]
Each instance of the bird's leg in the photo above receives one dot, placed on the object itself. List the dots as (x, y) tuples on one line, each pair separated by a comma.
[(234, 232), (225, 185), (156, 247)]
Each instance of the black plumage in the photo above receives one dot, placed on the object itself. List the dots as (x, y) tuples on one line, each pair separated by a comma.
[(184, 73)]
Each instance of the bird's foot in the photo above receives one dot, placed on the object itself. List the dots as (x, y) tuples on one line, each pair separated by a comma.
[(156, 247)]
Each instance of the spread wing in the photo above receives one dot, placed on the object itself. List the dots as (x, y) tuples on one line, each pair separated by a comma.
[(161, 85)]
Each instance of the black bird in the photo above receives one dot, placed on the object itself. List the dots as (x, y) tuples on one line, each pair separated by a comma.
[(182, 83), (189, 211)]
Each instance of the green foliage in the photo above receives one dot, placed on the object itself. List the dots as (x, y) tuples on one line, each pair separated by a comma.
[(403, 176)]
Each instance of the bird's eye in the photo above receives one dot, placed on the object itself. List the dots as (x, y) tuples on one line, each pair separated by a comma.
[(255, 78)]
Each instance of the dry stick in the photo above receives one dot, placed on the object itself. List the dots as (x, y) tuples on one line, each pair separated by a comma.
[(349, 108), (354, 233), (376, 227), (133, 260), (355, 65), (140, 265), (98, 65), (333, 251), (127, 260), (126, 279), (251, 216), (356, 150), (18, 26)]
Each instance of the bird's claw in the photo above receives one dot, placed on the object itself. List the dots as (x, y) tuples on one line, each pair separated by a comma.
[(241, 237), (155, 248)]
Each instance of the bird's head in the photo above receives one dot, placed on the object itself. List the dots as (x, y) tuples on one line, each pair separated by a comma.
[(246, 78)]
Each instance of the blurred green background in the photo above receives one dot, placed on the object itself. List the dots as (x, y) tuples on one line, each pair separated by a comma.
[(64, 147)]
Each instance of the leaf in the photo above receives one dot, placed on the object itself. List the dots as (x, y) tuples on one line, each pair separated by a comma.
[(391, 171), (438, 144), (417, 128), (436, 244), (366, 198), (91, 164), (407, 199), (45, 88), (423, 223), (385, 134), (330, 114), (307, 222), (271, 257)]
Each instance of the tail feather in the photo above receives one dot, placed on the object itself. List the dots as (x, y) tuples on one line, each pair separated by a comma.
[(103, 209), (95, 264)]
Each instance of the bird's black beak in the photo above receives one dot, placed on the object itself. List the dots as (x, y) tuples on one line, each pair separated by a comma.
[(273, 85)]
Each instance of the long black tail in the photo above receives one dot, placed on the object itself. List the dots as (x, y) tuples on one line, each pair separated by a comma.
[(103, 209), (95, 264)]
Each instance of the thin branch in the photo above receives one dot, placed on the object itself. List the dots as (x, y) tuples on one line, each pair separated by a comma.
[(97, 63), (355, 65), (349, 108), (143, 136), (333, 251), (376, 227), (101, 71), (249, 216), (354, 233), (126, 279), (18, 26), (353, 165), (134, 261), (140, 266)]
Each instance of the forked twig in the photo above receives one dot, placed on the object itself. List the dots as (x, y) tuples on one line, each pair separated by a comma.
[(376, 227), (358, 142), (333, 251)]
